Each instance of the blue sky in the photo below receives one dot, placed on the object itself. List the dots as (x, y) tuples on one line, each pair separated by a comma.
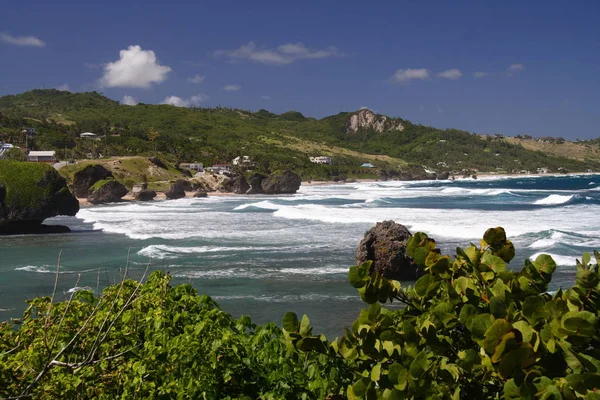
[(512, 67)]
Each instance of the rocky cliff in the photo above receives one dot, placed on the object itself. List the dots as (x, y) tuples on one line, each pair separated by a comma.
[(365, 119), (31, 193)]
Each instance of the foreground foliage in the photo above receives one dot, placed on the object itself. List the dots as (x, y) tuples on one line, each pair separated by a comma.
[(470, 328)]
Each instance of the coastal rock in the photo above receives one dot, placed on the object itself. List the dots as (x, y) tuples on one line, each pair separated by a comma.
[(84, 179), (255, 181), (106, 191), (281, 182), (239, 185), (145, 195), (385, 245), (200, 194), (442, 176), (177, 190), (30, 193)]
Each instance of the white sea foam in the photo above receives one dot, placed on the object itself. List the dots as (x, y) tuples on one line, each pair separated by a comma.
[(306, 297), (78, 288), (554, 199), (267, 205)]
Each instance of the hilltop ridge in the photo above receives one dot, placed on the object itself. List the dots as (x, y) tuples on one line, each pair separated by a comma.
[(287, 140)]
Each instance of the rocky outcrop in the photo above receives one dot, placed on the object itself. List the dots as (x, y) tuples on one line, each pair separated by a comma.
[(442, 176), (106, 191), (158, 162), (30, 193), (177, 190), (281, 182), (84, 179), (367, 120), (200, 194), (255, 181), (385, 245), (145, 195), (239, 185)]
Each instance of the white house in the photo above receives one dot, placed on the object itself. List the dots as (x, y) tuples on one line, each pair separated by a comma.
[(42, 156), (199, 167), (321, 160), (4, 147), (243, 161), (368, 165), (88, 135), (219, 169)]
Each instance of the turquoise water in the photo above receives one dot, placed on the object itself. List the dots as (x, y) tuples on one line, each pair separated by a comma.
[(264, 255)]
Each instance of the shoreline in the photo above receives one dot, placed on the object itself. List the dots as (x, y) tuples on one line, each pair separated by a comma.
[(188, 195)]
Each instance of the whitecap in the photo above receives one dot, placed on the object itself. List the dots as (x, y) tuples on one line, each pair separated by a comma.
[(554, 199)]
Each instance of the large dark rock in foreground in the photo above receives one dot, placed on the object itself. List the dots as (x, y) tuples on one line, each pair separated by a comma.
[(239, 185), (281, 182), (87, 177), (30, 193), (177, 190), (385, 245), (107, 191)]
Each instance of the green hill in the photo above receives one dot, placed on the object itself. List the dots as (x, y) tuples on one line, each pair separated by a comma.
[(217, 135)]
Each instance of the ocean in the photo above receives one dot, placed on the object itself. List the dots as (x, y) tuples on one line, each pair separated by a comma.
[(264, 255)]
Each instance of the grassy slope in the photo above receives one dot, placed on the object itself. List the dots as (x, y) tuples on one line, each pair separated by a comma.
[(576, 151), (21, 181), (129, 171)]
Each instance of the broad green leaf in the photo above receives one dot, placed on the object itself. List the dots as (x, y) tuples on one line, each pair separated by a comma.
[(545, 263), (494, 334), (290, 322), (494, 263)]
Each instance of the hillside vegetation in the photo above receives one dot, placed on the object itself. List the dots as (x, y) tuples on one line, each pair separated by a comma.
[(217, 135)]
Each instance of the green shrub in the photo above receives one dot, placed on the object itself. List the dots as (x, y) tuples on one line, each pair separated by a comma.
[(471, 328)]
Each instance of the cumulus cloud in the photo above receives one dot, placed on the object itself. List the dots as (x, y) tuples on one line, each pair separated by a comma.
[(452, 74), (231, 88), (136, 68), (129, 101), (480, 74), (64, 87), (189, 102), (514, 69), (196, 79), (407, 75), (284, 54), (21, 40)]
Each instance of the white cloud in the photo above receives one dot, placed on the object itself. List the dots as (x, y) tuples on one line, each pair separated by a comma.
[(196, 79), (480, 74), (129, 101), (21, 40), (232, 88), (265, 97), (64, 87), (136, 68), (284, 54), (452, 74), (190, 102), (514, 69), (406, 75)]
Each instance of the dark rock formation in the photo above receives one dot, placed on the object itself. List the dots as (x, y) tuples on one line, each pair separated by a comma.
[(281, 182), (442, 176), (158, 162), (87, 177), (177, 190), (200, 193), (145, 195), (107, 191), (255, 181), (239, 185), (385, 245), (30, 193)]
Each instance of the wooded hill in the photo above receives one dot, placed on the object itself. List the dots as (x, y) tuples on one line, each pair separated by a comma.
[(217, 135)]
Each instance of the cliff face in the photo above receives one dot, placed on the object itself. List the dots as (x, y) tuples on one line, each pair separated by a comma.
[(367, 120), (31, 193)]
